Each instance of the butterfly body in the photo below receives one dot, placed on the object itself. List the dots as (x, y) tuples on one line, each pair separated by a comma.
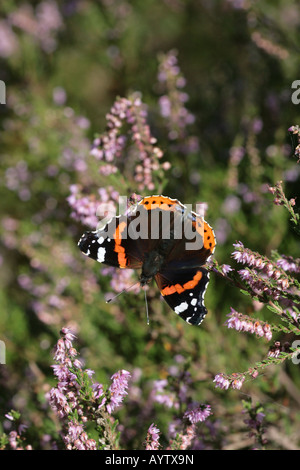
[(167, 242)]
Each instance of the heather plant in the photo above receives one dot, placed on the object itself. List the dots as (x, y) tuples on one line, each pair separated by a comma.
[(268, 281), (79, 402)]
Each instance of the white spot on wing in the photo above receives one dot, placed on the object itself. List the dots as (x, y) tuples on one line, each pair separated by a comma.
[(181, 308), (194, 302), (101, 254)]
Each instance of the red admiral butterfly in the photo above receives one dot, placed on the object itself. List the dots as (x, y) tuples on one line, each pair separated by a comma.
[(166, 241)]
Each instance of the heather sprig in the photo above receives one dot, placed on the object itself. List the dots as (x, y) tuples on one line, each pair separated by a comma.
[(264, 284), (295, 132), (270, 282), (152, 439), (197, 413), (255, 422), (276, 355), (225, 381), (281, 200), (77, 399), (128, 146), (288, 263), (174, 393), (267, 281), (87, 208), (184, 439), (184, 431), (241, 322), (15, 439), (172, 102), (263, 277)]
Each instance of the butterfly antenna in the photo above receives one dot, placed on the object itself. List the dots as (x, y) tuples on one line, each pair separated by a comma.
[(122, 292), (147, 310)]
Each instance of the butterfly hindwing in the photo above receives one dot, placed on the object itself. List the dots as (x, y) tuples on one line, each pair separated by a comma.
[(184, 292)]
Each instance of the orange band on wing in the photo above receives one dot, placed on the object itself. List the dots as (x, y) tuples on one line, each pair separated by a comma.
[(209, 241), (159, 202), (118, 247), (206, 232), (177, 288)]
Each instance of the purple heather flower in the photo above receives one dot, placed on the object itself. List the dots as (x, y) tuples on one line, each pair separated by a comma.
[(172, 102), (167, 398), (152, 442), (245, 274), (110, 147), (8, 40), (59, 95), (188, 437), (267, 332), (234, 381), (77, 364), (221, 382), (159, 385), (68, 337), (238, 245), (67, 396), (287, 263), (60, 351), (226, 268), (238, 4), (59, 403), (121, 279), (78, 438), (237, 382), (165, 106), (258, 329), (241, 322), (118, 389), (89, 372), (88, 209), (61, 371), (234, 321), (12, 437), (99, 393), (239, 256), (257, 125), (231, 205), (198, 413)]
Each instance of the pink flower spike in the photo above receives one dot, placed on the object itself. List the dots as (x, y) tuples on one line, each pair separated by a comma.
[(152, 441), (118, 389), (198, 413)]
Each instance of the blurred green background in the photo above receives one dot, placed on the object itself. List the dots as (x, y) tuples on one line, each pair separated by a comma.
[(64, 63)]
